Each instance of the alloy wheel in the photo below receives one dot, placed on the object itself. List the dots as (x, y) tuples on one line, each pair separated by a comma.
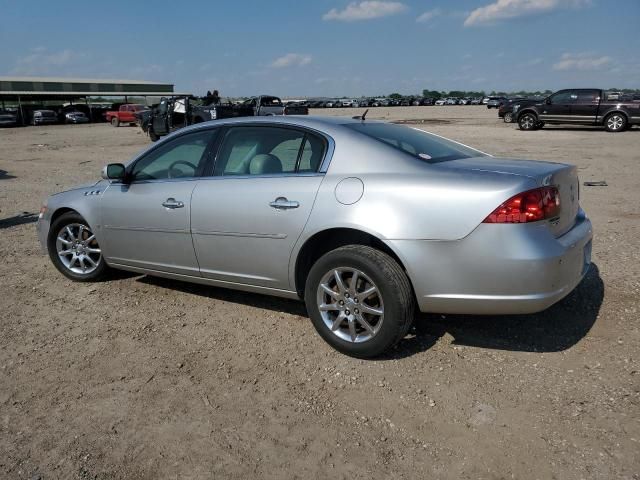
[(78, 249), (615, 122), (527, 122), (350, 304)]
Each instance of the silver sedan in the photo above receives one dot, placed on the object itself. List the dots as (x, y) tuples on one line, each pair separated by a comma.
[(363, 220)]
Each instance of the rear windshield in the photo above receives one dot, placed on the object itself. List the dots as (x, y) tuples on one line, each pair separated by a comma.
[(417, 143)]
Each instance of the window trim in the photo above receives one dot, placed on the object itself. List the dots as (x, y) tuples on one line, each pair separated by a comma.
[(209, 149), (329, 145)]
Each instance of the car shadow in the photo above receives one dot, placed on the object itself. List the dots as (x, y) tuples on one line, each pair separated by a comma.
[(20, 219), (555, 329), (275, 304), (4, 175)]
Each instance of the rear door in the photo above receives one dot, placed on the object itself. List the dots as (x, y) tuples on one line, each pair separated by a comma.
[(585, 108), (557, 108), (247, 217)]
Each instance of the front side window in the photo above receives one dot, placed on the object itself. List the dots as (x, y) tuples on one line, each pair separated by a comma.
[(268, 151), (183, 157), (568, 96), (417, 143)]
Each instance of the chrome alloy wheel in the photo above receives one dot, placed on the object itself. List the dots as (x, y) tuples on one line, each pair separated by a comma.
[(527, 122), (615, 122), (78, 249), (350, 304)]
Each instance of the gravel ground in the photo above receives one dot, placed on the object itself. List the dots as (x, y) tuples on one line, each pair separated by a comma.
[(139, 377)]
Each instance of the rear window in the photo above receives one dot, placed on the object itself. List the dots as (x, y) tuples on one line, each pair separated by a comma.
[(417, 143)]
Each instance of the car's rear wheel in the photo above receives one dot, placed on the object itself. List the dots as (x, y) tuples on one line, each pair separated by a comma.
[(359, 300), (615, 122), (508, 117), (115, 122), (74, 250), (527, 121), (153, 136)]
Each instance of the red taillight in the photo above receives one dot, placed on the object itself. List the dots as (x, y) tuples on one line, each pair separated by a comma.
[(529, 206)]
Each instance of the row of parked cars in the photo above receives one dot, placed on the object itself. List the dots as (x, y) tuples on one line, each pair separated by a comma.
[(391, 102), (614, 111), (40, 115)]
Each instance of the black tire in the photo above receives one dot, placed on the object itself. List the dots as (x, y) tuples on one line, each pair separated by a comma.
[(539, 125), (394, 289), (615, 122), (152, 135), (527, 121), (56, 228), (115, 121), (508, 117)]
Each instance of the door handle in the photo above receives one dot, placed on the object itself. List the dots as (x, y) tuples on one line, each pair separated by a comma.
[(281, 203), (172, 203)]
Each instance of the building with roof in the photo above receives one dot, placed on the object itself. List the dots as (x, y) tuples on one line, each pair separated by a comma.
[(25, 91)]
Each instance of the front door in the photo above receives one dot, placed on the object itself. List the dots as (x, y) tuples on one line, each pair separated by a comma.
[(557, 108), (146, 220), (247, 217)]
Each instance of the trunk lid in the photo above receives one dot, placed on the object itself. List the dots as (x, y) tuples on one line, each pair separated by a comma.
[(562, 176)]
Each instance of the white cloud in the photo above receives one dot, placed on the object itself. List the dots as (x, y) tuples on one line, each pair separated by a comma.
[(508, 9), (366, 10), (581, 61), (41, 62), (292, 60), (428, 16)]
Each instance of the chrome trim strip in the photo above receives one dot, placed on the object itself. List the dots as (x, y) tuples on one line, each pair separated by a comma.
[(278, 236), (145, 229)]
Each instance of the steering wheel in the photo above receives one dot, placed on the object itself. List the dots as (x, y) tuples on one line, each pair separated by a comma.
[(178, 162)]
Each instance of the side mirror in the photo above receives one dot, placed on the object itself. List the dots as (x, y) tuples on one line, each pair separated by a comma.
[(114, 171), (547, 101)]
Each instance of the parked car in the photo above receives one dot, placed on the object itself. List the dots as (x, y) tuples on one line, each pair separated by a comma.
[(126, 113), (8, 118), (75, 116), (44, 117), (440, 101), (476, 101), (579, 106), (347, 214), (495, 102), (267, 105), (505, 110), (485, 100), (451, 101)]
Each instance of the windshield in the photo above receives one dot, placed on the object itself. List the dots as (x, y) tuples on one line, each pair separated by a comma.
[(417, 143)]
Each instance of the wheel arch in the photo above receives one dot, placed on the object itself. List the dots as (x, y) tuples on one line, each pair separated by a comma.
[(329, 239), (615, 110), (526, 110)]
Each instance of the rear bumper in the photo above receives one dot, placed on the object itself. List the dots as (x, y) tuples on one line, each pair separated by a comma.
[(497, 269)]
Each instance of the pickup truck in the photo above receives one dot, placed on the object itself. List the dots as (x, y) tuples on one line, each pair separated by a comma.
[(266, 105), (177, 112), (579, 106), (125, 114)]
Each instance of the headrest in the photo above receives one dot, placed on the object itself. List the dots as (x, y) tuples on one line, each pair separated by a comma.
[(264, 164)]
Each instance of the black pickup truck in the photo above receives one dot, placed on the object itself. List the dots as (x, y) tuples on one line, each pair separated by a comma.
[(579, 106)]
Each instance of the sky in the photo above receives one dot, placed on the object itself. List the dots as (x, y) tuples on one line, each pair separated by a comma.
[(328, 47)]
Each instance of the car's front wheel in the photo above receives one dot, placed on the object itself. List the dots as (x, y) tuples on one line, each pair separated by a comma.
[(359, 300), (528, 121), (115, 121), (74, 249)]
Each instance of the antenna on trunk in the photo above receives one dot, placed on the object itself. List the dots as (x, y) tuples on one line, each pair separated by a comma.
[(361, 117)]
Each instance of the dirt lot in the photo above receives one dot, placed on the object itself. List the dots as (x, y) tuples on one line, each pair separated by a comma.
[(146, 378)]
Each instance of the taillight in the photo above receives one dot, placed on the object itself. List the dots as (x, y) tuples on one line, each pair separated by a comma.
[(530, 206)]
